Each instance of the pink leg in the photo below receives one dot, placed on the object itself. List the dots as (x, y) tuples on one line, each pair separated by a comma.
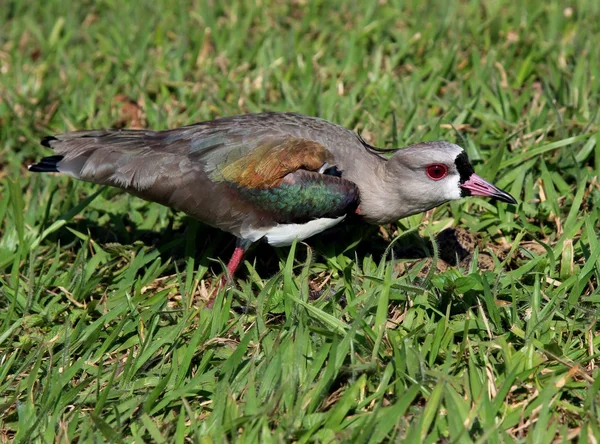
[(232, 266), (234, 262)]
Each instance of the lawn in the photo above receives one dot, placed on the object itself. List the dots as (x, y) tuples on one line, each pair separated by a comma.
[(361, 334)]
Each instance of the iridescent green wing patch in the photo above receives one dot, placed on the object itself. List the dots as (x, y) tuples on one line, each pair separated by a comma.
[(305, 195)]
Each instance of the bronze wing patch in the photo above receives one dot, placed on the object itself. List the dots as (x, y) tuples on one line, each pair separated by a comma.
[(266, 165)]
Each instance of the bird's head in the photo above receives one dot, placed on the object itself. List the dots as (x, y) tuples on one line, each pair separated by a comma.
[(423, 176)]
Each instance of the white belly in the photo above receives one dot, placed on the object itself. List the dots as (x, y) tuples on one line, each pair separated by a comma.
[(284, 234)]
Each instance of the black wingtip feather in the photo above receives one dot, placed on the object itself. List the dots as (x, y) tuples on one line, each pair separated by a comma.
[(46, 141), (46, 165)]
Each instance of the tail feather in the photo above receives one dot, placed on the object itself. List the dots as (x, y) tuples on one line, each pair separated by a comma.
[(127, 159), (46, 141), (46, 165), (74, 150)]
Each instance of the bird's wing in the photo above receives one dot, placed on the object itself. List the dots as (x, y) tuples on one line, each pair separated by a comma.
[(199, 169), (283, 175)]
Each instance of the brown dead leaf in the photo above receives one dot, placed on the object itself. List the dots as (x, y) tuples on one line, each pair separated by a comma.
[(131, 114)]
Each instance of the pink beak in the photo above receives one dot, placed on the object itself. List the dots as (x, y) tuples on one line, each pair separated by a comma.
[(476, 186)]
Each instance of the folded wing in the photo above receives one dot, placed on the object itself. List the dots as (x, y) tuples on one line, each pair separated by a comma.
[(228, 177)]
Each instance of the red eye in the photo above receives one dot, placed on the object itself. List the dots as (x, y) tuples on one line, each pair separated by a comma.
[(436, 171)]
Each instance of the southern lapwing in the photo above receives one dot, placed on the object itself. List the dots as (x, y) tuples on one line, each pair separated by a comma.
[(271, 176)]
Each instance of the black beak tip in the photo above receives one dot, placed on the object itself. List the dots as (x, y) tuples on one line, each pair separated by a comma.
[(505, 197)]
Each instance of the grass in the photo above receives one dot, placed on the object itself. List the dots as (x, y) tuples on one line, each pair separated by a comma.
[(103, 330)]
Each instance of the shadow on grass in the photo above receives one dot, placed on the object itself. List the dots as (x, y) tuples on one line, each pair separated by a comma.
[(208, 245)]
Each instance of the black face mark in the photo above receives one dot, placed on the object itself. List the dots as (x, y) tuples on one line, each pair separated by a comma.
[(465, 171), (464, 168)]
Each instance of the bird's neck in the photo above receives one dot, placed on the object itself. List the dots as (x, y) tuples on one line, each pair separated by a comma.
[(386, 197), (376, 195)]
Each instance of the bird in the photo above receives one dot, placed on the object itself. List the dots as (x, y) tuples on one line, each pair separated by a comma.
[(271, 176)]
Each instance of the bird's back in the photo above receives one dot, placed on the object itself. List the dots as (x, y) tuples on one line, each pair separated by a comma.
[(192, 168)]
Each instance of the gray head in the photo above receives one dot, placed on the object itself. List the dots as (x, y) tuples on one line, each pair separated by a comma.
[(424, 176)]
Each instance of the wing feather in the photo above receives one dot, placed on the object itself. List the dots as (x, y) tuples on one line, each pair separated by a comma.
[(226, 175)]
